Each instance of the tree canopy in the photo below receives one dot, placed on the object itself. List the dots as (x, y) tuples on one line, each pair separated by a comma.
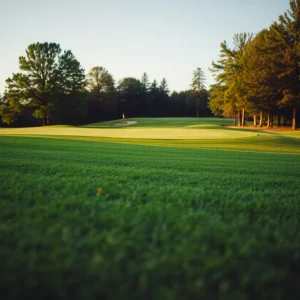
[(100, 81), (260, 75), (47, 74), (198, 96)]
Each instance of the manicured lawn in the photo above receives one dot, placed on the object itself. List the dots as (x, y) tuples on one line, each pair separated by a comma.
[(165, 122), (152, 128), (208, 133), (102, 220)]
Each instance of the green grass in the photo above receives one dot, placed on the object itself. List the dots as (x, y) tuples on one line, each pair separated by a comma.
[(133, 133), (160, 128), (294, 134), (165, 122), (170, 223), (203, 133)]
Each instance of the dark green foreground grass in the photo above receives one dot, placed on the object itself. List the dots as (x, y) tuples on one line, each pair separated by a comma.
[(170, 223)]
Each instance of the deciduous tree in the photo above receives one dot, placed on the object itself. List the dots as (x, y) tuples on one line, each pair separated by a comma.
[(129, 90), (100, 81), (47, 74)]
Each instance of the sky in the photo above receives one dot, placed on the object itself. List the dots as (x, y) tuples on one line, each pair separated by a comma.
[(164, 38)]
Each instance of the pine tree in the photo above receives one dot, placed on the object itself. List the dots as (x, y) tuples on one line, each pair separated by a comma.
[(286, 35), (228, 72), (264, 88), (163, 88), (198, 89), (145, 82)]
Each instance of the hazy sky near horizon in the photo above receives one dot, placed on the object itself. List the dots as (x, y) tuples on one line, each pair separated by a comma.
[(165, 38)]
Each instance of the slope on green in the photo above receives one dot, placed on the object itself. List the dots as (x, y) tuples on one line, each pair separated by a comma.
[(167, 223), (175, 132), (165, 122), (145, 128), (132, 133)]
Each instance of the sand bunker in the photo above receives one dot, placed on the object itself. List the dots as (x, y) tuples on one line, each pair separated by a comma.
[(125, 123)]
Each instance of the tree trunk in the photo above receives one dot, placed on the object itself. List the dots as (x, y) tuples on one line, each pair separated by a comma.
[(197, 112), (254, 120), (239, 118), (234, 116), (268, 120), (271, 120), (243, 117), (278, 120), (294, 123), (260, 119), (45, 120)]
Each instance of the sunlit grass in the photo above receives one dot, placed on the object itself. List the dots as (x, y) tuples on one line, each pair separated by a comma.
[(132, 133), (182, 132), (165, 122), (294, 134)]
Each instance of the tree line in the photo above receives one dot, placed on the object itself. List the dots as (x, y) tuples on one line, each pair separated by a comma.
[(53, 88), (259, 75)]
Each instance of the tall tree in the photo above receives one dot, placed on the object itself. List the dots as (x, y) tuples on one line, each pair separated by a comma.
[(145, 99), (219, 104), (179, 103), (287, 36), (47, 74), (145, 84), (100, 81), (154, 98), (164, 98), (198, 89), (102, 100), (260, 76), (163, 87), (228, 72), (129, 90)]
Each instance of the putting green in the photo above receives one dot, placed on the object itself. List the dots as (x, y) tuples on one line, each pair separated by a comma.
[(132, 133)]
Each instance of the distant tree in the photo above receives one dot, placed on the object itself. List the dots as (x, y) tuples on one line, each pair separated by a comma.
[(99, 81), (154, 86), (163, 88), (164, 103), (129, 93), (71, 108), (145, 99), (145, 84), (102, 102), (198, 81), (198, 89), (155, 99), (47, 74), (178, 103)]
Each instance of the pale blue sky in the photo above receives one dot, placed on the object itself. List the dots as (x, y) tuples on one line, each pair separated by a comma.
[(163, 38)]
